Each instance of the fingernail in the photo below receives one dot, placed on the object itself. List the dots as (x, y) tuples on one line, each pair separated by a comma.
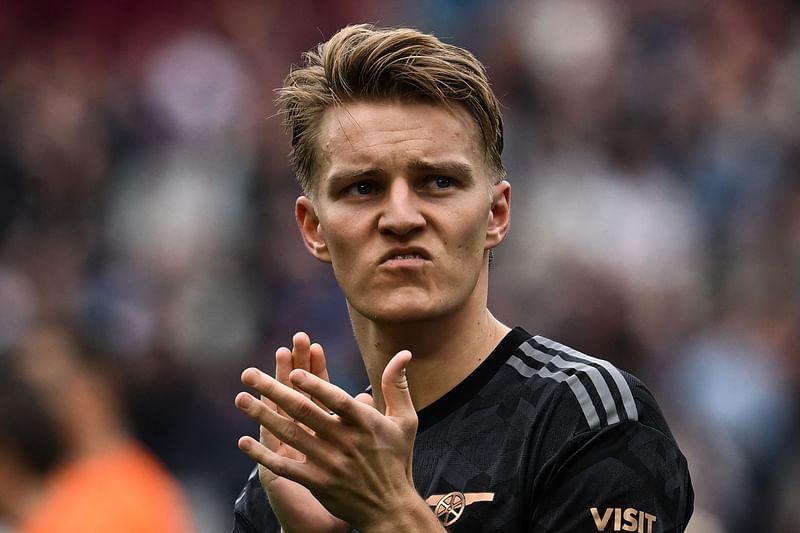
[(249, 377), (402, 381)]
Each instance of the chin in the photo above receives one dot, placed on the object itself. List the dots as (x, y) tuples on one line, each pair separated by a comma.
[(402, 312)]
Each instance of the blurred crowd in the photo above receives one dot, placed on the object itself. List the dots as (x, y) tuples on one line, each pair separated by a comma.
[(653, 150)]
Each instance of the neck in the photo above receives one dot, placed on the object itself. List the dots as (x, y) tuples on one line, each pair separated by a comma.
[(96, 426), (445, 350)]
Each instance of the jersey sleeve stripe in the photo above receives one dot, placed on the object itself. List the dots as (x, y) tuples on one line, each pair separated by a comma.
[(596, 377), (252, 475), (574, 383), (622, 385)]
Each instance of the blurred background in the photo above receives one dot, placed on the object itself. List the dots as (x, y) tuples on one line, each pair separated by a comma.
[(653, 149)]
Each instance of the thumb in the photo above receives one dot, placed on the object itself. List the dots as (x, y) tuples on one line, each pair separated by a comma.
[(395, 387)]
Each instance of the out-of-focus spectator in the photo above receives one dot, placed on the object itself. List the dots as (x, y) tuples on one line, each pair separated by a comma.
[(30, 447), (108, 481)]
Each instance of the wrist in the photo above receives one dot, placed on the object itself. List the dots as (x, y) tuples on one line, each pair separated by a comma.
[(411, 515)]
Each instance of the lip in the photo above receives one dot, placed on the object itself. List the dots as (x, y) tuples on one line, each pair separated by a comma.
[(395, 253)]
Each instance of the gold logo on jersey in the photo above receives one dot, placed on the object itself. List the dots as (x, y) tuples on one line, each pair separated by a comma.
[(628, 519), (449, 507)]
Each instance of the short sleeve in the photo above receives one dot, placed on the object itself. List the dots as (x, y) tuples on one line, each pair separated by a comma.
[(251, 512), (624, 477)]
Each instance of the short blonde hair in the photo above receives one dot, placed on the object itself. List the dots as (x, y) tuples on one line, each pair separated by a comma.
[(362, 62)]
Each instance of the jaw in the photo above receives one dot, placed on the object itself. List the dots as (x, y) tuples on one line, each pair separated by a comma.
[(406, 304), (415, 294), (418, 301)]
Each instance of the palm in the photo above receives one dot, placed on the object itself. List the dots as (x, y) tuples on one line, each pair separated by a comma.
[(293, 503), (295, 499)]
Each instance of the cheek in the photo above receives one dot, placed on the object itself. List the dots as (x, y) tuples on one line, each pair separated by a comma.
[(342, 241), (470, 238)]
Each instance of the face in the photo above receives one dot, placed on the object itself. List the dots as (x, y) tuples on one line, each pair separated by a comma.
[(404, 209), (48, 364)]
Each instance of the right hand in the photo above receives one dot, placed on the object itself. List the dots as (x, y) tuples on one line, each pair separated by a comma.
[(294, 505)]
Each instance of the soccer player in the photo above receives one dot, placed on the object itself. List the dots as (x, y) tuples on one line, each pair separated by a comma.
[(470, 425)]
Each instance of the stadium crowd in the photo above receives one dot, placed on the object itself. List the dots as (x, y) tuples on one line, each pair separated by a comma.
[(653, 150)]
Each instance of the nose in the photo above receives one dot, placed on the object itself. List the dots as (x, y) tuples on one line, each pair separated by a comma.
[(401, 214)]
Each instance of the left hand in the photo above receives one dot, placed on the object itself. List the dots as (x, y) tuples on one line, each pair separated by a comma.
[(297, 510), (357, 461)]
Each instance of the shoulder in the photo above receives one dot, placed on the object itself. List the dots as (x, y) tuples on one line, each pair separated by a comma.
[(590, 390), (136, 492), (600, 428)]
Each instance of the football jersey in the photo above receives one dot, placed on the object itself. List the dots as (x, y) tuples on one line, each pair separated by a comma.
[(539, 438)]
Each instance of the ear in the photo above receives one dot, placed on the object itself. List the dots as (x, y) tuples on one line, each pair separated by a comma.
[(499, 215), (308, 222)]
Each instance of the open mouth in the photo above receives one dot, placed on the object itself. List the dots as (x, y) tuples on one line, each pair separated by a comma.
[(404, 256)]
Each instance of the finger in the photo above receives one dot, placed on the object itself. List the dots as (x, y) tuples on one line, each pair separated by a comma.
[(283, 365), (366, 399), (329, 395), (395, 387), (265, 437), (318, 365), (284, 429), (294, 403), (268, 439), (279, 466), (301, 351)]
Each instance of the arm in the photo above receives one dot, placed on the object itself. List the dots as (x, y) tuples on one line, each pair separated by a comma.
[(357, 461)]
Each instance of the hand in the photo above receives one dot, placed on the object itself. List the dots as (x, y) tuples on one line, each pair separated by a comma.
[(294, 506), (356, 461)]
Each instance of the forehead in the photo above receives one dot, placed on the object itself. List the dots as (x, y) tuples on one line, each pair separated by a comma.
[(393, 133)]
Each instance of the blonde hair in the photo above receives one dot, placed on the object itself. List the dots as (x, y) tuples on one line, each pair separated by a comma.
[(365, 63)]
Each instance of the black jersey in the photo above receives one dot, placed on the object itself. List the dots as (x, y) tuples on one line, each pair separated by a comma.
[(539, 438)]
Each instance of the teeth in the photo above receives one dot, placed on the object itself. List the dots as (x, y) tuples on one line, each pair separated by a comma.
[(407, 256)]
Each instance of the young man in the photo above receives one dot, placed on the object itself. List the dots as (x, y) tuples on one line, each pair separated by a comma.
[(470, 425)]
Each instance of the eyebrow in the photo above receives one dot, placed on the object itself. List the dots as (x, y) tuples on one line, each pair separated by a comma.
[(417, 166), (446, 167), (348, 175)]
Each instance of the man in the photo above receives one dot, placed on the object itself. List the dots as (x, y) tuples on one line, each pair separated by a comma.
[(470, 425), (107, 481), (30, 447)]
